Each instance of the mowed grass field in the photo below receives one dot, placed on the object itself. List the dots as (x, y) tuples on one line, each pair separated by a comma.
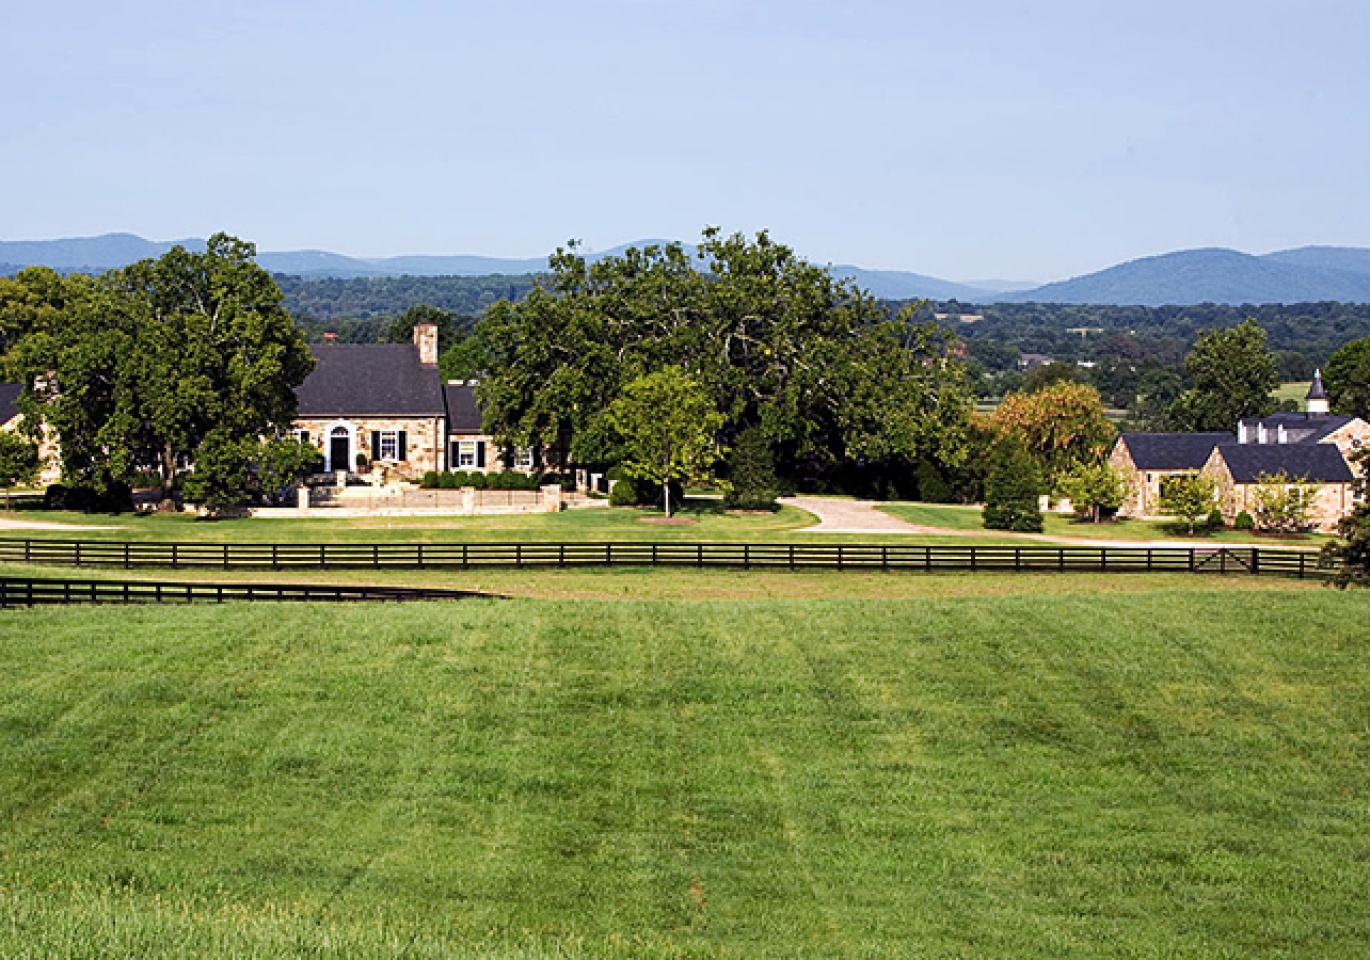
[(1177, 770)]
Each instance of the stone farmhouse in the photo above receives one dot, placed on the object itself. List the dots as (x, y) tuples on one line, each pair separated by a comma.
[(383, 407), (50, 470), (1314, 446)]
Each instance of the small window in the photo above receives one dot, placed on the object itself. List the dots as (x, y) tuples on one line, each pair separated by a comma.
[(302, 436), (523, 458), (390, 444), (466, 454)]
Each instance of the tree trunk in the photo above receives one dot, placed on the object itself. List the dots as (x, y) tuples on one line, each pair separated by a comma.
[(666, 497)]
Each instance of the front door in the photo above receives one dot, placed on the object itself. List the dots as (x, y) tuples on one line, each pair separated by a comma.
[(340, 450)]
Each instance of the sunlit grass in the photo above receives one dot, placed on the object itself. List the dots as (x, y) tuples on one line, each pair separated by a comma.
[(1177, 772)]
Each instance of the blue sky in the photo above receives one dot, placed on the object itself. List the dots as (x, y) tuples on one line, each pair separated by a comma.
[(985, 138)]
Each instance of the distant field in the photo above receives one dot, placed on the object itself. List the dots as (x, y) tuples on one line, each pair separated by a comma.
[(1295, 390), (1176, 772)]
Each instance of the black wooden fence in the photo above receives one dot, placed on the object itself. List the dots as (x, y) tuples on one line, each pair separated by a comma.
[(792, 556), (29, 592)]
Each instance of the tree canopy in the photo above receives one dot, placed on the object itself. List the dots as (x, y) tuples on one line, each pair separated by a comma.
[(775, 342), (186, 361), (1233, 374)]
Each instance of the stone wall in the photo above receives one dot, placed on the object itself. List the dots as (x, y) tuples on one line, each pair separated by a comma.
[(423, 441)]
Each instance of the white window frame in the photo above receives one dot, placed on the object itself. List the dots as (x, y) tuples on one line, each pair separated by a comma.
[(466, 455), (523, 458), (390, 439)]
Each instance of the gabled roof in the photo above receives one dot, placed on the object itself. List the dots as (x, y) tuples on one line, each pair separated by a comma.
[(1298, 427), (1172, 451), (1315, 462), (463, 413), (370, 380), (9, 393)]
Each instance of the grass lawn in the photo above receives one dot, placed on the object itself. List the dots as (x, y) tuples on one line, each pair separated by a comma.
[(710, 522), (1294, 390), (1172, 772), (962, 517)]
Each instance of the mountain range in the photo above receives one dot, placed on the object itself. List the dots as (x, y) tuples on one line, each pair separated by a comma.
[(1186, 277)]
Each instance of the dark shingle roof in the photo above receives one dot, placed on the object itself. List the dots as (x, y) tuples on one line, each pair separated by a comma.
[(1316, 462), (9, 393), (1172, 451), (463, 413), (1298, 427), (370, 380)]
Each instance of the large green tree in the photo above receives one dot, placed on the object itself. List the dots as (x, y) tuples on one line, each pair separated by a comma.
[(777, 343), (187, 361), (1232, 373), (1347, 379), (669, 429)]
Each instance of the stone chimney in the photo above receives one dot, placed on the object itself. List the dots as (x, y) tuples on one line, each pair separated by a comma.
[(426, 339)]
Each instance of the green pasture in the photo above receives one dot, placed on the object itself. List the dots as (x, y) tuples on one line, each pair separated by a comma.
[(1178, 771), (962, 517)]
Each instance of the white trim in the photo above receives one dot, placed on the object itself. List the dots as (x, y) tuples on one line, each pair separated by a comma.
[(328, 464)]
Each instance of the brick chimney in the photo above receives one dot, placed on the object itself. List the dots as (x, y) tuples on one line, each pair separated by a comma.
[(426, 339)]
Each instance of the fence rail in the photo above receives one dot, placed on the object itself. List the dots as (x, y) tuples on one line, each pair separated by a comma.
[(31, 592), (793, 556)]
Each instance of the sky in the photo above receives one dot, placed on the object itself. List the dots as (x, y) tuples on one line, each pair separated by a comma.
[(971, 140)]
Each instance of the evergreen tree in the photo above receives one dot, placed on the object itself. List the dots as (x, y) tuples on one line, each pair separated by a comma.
[(753, 484), (1013, 488)]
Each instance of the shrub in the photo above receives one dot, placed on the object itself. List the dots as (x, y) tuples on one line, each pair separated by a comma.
[(431, 480), (1215, 519), (932, 487), (751, 473), (116, 498), (1244, 521)]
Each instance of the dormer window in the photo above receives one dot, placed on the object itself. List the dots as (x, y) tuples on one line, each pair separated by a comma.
[(1261, 436), (1241, 432), (1283, 435)]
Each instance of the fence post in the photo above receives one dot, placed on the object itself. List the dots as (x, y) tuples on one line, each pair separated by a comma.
[(1255, 560), (1191, 559), (420, 551), (885, 558), (746, 556), (27, 545), (927, 559), (175, 558), (792, 558), (78, 553), (1302, 557), (972, 559), (839, 556), (225, 556), (518, 555)]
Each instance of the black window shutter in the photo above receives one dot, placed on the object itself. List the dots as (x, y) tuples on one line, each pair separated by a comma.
[(454, 456), (480, 453), (537, 457), (404, 443), (375, 444)]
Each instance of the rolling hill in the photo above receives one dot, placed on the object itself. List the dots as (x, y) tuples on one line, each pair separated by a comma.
[(1185, 277)]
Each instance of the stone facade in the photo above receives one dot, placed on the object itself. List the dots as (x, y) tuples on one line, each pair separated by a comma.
[(424, 447), (1143, 486), (1331, 501)]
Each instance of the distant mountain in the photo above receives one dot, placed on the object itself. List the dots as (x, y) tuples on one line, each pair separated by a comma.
[(1308, 274), (94, 254), (1204, 276), (901, 285), (1352, 259)]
